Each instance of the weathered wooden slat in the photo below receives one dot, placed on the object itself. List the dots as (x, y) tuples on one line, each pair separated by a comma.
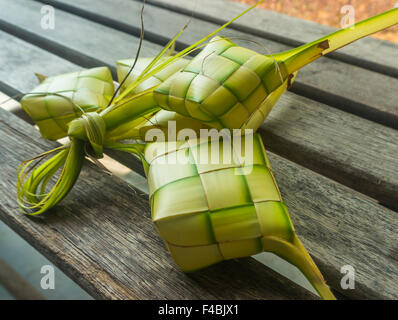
[(291, 31), (316, 206), (337, 225), (21, 60), (300, 129), (103, 238), (326, 80), (353, 151), (352, 210), (23, 19), (12, 105)]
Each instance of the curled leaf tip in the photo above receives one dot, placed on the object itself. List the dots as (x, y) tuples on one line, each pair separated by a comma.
[(34, 175)]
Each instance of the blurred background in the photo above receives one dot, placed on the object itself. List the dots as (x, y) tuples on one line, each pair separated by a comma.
[(328, 12)]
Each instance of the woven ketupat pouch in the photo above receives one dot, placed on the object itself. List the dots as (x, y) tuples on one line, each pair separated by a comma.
[(209, 211), (225, 86), (85, 90)]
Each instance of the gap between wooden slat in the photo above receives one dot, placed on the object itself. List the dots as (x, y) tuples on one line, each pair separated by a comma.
[(359, 109), (55, 48), (135, 164), (366, 64), (339, 102), (119, 170), (368, 187), (320, 262)]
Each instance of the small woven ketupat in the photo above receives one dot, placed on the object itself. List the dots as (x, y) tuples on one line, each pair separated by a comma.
[(226, 208), (86, 90), (225, 86)]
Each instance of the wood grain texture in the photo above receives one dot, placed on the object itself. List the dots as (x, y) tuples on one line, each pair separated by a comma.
[(111, 236), (102, 236), (326, 80), (355, 152), (13, 105), (21, 60), (289, 30), (78, 40), (347, 148), (338, 225)]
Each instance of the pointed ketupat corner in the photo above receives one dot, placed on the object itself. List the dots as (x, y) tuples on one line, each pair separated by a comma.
[(223, 215)]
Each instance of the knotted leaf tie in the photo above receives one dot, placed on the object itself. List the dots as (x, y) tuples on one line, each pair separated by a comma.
[(94, 128), (34, 174)]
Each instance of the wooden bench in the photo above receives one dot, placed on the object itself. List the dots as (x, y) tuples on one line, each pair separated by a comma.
[(332, 142)]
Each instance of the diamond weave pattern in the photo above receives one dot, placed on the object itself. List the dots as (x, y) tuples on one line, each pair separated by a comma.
[(88, 89), (208, 211), (224, 86)]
